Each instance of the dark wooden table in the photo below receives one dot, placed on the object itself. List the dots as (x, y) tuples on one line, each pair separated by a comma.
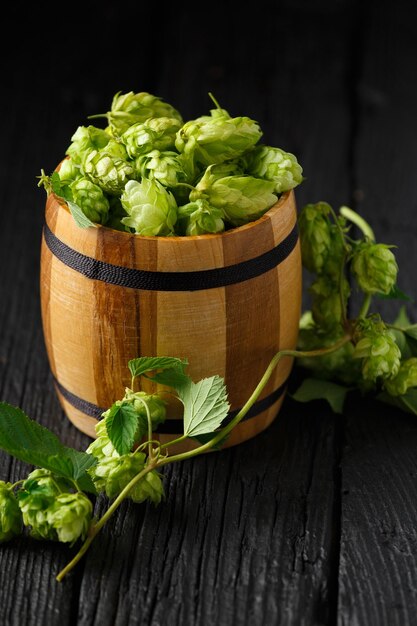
[(314, 521)]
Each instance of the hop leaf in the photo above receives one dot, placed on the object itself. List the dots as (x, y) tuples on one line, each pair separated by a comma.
[(10, 515), (151, 209), (276, 165), (375, 268)]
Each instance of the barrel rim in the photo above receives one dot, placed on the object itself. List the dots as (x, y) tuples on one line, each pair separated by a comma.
[(283, 199)]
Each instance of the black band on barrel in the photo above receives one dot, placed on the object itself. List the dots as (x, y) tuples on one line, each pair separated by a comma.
[(170, 281), (171, 426)]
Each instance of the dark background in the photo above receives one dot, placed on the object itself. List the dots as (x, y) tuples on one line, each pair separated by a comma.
[(314, 521)]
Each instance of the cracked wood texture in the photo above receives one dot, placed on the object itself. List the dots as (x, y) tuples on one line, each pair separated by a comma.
[(313, 521)]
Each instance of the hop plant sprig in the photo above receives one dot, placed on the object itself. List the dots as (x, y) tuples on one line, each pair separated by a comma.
[(377, 357)]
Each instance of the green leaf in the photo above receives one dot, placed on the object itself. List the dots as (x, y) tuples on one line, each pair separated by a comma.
[(394, 294), (317, 389), (80, 218), (402, 320), (32, 443), (402, 342), (145, 364), (205, 405), (56, 183), (174, 378), (121, 425), (407, 402)]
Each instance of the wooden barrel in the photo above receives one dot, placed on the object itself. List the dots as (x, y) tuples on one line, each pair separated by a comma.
[(226, 302)]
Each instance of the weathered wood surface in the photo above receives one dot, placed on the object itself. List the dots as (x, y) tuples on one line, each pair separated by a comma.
[(313, 521)]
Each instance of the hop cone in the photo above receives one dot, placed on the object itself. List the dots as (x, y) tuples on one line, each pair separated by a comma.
[(132, 108), (149, 488), (405, 378), (199, 217), (218, 137), (68, 172), (69, 516), (102, 446), (326, 303), (157, 133), (315, 236), (165, 167), (108, 172), (84, 140), (91, 199), (276, 165), (112, 474), (375, 268), (242, 199), (379, 353), (10, 515), (156, 407), (151, 209), (38, 493)]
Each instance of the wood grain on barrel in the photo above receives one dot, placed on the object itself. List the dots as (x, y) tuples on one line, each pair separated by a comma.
[(93, 328)]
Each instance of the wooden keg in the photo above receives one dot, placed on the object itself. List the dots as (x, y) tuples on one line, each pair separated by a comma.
[(226, 302)]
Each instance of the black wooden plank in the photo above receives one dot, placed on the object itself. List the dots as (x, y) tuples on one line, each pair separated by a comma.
[(377, 578), (378, 571)]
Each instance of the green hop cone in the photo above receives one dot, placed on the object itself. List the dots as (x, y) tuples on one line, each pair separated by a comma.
[(165, 167), (381, 357), (157, 133), (274, 164), (116, 213), (199, 217), (109, 172), (10, 514), (112, 474), (37, 494), (405, 378), (116, 148), (69, 172), (69, 516), (241, 198), (315, 236), (326, 303), (132, 108), (218, 137), (91, 200), (151, 209), (375, 268), (149, 488), (85, 140), (156, 407)]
